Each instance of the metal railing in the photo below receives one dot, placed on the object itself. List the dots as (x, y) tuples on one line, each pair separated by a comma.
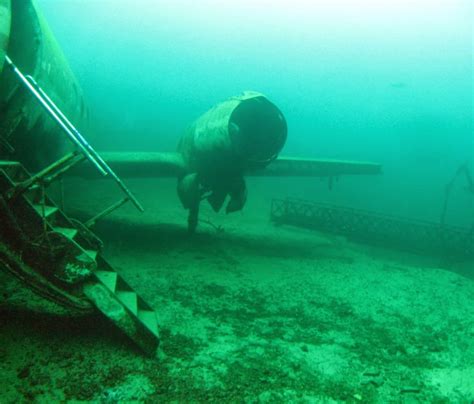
[(374, 228), (70, 130)]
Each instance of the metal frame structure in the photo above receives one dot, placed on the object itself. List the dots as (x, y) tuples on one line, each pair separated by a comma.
[(373, 228), (60, 259)]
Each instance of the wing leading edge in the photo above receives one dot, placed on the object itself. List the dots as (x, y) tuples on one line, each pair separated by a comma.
[(153, 164), (136, 164)]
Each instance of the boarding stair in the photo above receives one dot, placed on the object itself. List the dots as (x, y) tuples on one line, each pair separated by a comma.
[(61, 258), (81, 267)]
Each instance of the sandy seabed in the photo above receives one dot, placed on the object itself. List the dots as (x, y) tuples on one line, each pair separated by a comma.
[(248, 312)]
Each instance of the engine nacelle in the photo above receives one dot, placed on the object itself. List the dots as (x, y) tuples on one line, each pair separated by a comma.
[(244, 132)]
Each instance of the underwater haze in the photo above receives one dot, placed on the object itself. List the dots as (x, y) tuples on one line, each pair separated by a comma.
[(313, 292), (384, 81)]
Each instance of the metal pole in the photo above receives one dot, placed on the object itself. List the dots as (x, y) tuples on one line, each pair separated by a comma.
[(86, 145), (91, 222), (66, 121), (73, 134), (53, 114)]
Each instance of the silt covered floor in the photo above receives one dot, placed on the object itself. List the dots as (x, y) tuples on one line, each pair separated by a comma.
[(249, 312)]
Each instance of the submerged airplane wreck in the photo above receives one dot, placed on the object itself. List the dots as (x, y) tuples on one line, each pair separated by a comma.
[(41, 106)]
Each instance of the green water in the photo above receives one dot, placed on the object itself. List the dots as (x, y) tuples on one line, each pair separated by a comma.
[(386, 81), (251, 312)]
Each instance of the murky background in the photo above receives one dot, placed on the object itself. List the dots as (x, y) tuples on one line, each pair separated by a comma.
[(386, 81)]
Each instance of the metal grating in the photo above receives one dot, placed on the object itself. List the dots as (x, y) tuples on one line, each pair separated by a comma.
[(389, 231)]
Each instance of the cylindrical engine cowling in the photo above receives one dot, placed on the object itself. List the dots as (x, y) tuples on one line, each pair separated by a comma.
[(244, 132), (35, 139)]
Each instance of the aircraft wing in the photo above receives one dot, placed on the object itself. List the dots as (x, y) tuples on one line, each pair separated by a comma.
[(135, 164), (154, 164), (301, 167)]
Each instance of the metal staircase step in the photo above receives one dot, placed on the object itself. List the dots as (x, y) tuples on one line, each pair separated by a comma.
[(86, 259), (112, 306), (108, 279), (129, 299), (69, 232), (99, 282), (91, 253), (14, 170), (8, 163), (148, 318), (48, 210)]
